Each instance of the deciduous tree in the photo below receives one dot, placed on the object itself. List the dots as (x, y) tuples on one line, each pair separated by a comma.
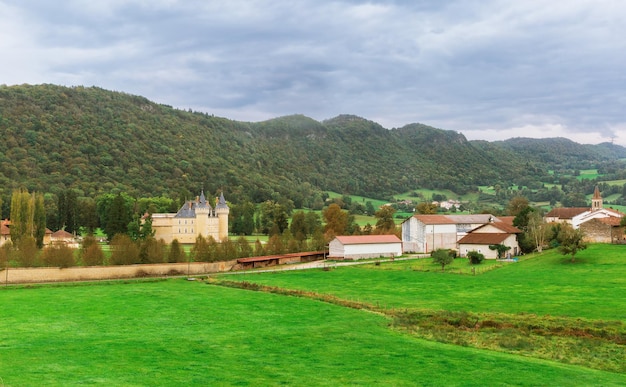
[(442, 257), (384, 220), (571, 240)]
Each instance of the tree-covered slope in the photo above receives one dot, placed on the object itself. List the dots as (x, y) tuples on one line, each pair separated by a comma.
[(97, 141)]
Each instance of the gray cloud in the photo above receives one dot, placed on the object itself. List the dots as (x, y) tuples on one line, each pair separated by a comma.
[(490, 69)]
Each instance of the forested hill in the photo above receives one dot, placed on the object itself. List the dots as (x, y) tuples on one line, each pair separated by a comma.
[(97, 141)]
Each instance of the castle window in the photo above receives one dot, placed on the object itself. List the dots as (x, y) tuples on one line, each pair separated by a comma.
[(185, 231)]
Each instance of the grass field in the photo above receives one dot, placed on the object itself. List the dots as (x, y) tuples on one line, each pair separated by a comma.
[(179, 332), (593, 287)]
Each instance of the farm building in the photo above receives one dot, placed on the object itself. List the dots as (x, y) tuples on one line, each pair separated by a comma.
[(425, 233), (498, 233), (365, 246)]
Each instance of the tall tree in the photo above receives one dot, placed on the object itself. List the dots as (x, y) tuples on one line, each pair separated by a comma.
[(385, 223), (537, 230), (336, 220), (176, 253), (39, 218), (517, 205), (21, 216), (298, 227), (119, 217)]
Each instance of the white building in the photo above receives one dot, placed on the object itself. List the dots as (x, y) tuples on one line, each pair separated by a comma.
[(497, 233), (576, 216), (425, 233), (365, 246)]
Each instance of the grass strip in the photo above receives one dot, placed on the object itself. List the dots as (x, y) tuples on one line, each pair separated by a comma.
[(595, 344)]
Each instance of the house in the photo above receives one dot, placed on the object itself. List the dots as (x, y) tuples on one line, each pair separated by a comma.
[(496, 233), (577, 217), (365, 246), (425, 233), (195, 217), (63, 237), (5, 233)]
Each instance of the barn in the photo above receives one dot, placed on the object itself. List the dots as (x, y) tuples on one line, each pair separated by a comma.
[(364, 246)]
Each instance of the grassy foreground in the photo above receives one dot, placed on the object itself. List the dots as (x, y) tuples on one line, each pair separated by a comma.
[(178, 332), (544, 306)]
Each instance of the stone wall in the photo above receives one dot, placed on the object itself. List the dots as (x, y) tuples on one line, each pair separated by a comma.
[(91, 273), (597, 231)]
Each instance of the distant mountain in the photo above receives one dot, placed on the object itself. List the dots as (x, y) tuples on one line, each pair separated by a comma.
[(97, 141)]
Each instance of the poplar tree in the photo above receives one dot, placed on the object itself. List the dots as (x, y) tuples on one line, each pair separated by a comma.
[(21, 215), (39, 218)]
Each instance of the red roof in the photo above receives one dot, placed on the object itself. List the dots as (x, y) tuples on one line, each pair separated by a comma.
[(4, 227), (363, 239), (506, 219), (566, 212), (455, 219), (509, 229), (62, 234), (483, 238)]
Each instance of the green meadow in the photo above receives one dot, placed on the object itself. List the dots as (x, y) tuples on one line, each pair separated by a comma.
[(178, 332)]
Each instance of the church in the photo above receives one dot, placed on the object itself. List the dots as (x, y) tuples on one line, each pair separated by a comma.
[(598, 223), (195, 217)]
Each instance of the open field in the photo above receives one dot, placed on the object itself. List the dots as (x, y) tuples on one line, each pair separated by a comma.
[(593, 287), (179, 332), (588, 174)]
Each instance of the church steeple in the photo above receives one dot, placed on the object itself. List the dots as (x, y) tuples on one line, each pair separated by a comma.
[(596, 200)]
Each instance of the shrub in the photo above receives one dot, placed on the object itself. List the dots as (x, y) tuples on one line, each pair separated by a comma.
[(475, 257), (59, 255), (91, 252), (123, 250), (26, 253)]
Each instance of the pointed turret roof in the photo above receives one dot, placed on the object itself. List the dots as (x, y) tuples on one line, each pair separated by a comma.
[(221, 203)]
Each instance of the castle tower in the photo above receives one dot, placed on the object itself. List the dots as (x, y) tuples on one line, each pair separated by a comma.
[(596, 200), (221, 211), (202, 215)]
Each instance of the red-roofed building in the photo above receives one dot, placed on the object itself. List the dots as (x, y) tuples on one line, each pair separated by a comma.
[(425, 233), (64, 237), (5, 232), (497, 233), (596, 216), (365, 246)]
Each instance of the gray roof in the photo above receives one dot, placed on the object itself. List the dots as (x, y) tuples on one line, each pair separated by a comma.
[(188, 210), (221, 203)]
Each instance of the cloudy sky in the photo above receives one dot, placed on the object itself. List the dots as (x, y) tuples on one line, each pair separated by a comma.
[(490, 69)]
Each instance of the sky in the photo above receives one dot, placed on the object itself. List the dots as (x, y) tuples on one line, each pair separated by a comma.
[(490, 69)]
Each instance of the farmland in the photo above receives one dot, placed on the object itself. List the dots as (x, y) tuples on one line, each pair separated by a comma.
[(173, 332)]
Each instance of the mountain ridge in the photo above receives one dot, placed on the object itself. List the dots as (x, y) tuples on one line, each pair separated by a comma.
[(96, 141)]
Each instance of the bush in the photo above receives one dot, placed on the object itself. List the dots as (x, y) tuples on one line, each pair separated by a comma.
[(123, 250), (59, 255), (475, 257), (91, 252)]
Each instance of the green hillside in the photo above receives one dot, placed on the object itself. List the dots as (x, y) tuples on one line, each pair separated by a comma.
[(97, 141)]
